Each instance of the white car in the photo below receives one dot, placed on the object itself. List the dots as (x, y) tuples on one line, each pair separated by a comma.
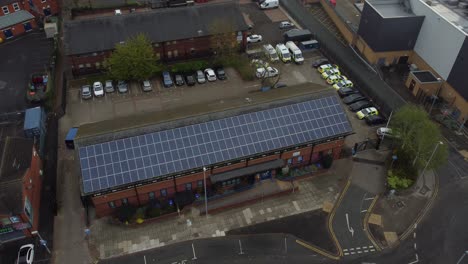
[(286, 24), (254, 38), (98, 89), (385, 131), (146, 86), (266, 72), (109, 87), (25, 254), (210, 75)]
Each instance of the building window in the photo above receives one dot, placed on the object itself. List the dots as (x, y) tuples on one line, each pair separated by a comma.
[(289, 161), (88, 65), (174, 42), (156, 45), (5, 10), (43, 1), (192, 51), (151, 195), (164, 192), (16, 7), (168, 43), (98, 65), (200, 183), (300, 159), (188, 186), (81, 66), (111, 204), (176, 53), (169, 54), (124, 201)]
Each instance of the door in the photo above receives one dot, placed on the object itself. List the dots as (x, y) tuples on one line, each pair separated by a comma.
[(27, 26), (47, 12), (403, 60), (8, 33)]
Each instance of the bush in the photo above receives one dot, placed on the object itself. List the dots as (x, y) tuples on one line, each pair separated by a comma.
[(189, 66), (327, 161), (125, 213), (397, 182)]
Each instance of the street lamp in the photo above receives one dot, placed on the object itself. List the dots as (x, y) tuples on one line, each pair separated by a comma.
[(206, 199), (42, 241), (462, 257), (430, 158)]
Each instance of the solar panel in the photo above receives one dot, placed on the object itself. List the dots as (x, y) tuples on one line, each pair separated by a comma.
[(133, 159)]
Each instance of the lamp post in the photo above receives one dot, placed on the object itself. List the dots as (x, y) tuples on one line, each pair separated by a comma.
[(430, 158), (42, 241), (206, 199), (462, 257)]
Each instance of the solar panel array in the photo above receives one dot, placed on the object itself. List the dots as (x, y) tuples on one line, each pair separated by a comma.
[(143, 157)]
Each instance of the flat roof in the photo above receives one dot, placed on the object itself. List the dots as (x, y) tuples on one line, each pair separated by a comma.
[(425, 76), (453, 13), (211, 139), (390, 8), (15, 18)]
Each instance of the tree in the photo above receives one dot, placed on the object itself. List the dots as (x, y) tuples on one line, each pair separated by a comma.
[(223, 38), (133, 60), (418, 136)]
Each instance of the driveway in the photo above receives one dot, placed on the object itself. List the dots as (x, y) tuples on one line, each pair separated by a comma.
[(20, 58)]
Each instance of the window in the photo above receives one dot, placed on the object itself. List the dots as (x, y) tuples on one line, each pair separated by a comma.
[(174, 42), (169, 54), (88, 65), (43, 1), (81, 66), (16, 7), (176, 53), (188, 186), (98, 65), (164, 192), (111, 204), (5, 10), (289, 161), (200, 183), (168, 43), (124, 201), (192, 51), (151, 195), (156, 45), (300, 159)]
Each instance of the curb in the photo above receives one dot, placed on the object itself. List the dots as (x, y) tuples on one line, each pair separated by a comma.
[(318, 250), (332, 214), (365, 223), (423, 212)]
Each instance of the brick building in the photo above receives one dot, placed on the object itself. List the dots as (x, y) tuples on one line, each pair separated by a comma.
[(176, 33), (238, 148), (18, 17), (20, 188)]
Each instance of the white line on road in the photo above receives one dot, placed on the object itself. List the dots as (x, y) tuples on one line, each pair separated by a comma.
[(364, 247), (359, 252), (416, 261), (352, 253), (414, 235), (363, 211), (344, 250), (346, 254), (358, 248), (366, 251), (144, 258), (371, 246), (369, 198), (372, 250), (351, 249), (415, 247)]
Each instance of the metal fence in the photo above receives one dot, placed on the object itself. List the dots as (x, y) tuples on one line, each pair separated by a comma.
[(362, 74)]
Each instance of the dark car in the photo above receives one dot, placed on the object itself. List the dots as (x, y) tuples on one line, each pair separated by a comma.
[(167, 79), (320, 62), (179, 80), (353, 98), (190, 80), (345, 91), (221, 73), (360, 105), (374, 120)]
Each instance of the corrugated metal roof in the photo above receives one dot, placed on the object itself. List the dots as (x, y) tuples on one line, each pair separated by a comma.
[(15, 18)]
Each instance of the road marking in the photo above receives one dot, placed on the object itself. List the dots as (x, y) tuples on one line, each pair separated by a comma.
[(346, 254), (366, 251), (358, 248), (416, 261), (144, 258), (456, 169), (364, 247), (415, 247), (371, 246), (351, 249), (296, 206), (363, 211), (350, 229), (414, 235), (344, 250), (359, 252), (352, 253), (372, 250), (370, 198)]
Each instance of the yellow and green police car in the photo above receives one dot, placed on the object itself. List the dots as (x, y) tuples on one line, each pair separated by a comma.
[(326, 67), (330, 72), (343, 84), (335, 78), (370, 111)]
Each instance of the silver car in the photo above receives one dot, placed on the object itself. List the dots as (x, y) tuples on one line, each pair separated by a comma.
[(109, 87), (146, 86), (122, 87), (201, 77), (86, 92)]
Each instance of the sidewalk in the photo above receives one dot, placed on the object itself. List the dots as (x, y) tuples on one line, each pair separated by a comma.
[(397, 213), (112, 240)]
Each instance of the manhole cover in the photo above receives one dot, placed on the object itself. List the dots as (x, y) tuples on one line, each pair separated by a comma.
[(423, 190), (400, 204)]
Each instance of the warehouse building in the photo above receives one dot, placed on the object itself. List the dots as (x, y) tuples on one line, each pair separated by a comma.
[(176, 33), (238, 147)]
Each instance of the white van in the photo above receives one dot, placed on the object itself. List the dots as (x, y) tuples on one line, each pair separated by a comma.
[(295, 52), (267, 4), (270, 52), (283, 52)]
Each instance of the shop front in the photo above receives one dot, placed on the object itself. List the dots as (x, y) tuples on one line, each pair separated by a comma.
[(12, 228)]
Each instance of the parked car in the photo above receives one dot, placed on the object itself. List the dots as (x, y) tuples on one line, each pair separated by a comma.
[(359, 105), (167, 80), (385, 132), (86, 92), (254, 38), (286, 24), (319, 62), (325, 67), (221, 73), (109, 87), (353, 98), (369, 111), (122, 87), (98, 89), (25, 254), (330, 72), (210, 75), (179, 80), (146, 86), (266, 72), (200, 77), (343, 84), (335, 78), (374, 120), (346, 91), (190, 79)]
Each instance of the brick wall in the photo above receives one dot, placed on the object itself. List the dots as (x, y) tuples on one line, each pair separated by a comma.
[(17, 29), (32, 187), (229, 167)]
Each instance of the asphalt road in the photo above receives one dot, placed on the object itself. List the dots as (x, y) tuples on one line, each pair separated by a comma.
[(20, 58)]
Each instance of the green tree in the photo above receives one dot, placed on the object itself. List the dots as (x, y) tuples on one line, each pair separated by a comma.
[(223, 38), (418, 136), (133, 60)]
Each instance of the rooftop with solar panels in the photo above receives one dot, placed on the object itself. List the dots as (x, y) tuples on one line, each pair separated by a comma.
[(189, 139)]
